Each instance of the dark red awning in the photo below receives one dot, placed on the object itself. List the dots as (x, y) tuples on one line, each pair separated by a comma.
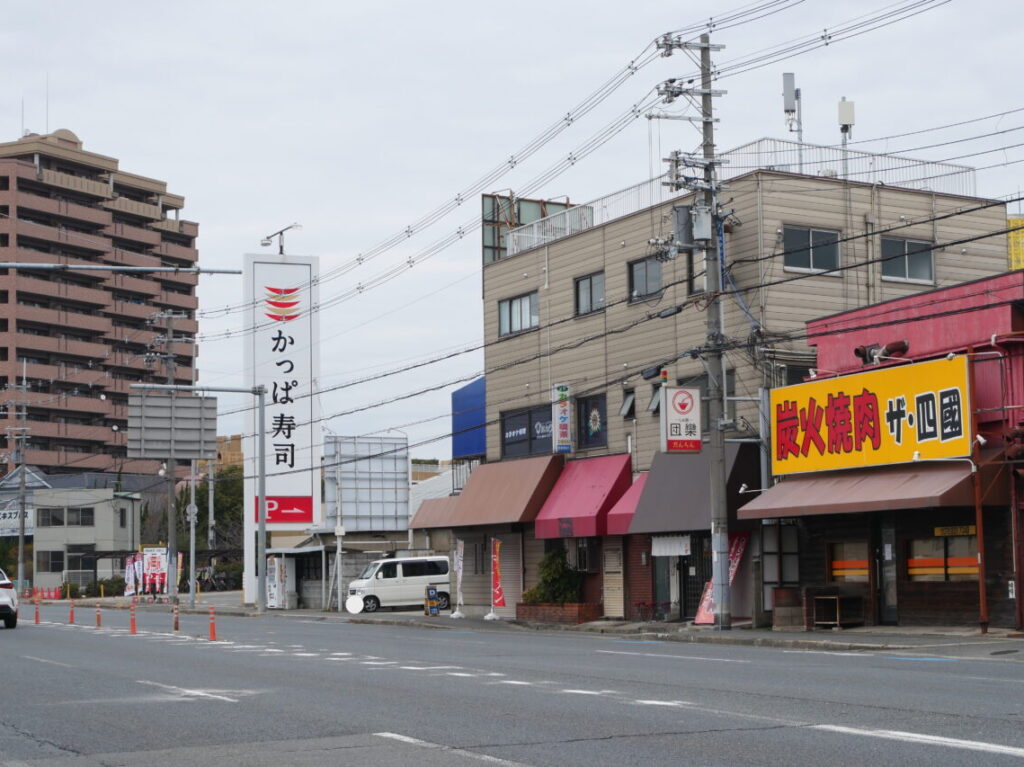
[(581, 498), (621, 514)]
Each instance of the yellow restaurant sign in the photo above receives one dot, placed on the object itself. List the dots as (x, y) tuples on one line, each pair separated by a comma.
[(870, 419)]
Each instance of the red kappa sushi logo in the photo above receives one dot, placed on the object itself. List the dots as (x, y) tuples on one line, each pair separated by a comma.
[(282, 304)]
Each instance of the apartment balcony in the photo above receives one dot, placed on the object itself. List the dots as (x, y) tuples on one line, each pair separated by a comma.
[(67, 402), (121, 257), (61, 319), (36, 286), (131, 284), (130, 309), (179, 252), (189, 228), (31, 343), (53, 430), (61, 236), (59, 459), (139, 234), (29, 256), (63, 208), (184, 279), (134, 208), (73, 374), (140, 336), (177, 301), (129, 361), (75, 183)]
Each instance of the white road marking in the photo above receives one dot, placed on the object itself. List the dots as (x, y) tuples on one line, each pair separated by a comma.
[(672, 657), (668, 703), (462, 752), (515, 681), (271, 650), (378, 662), (459, 673), (44, 660), (185, 693), (305, 655), (933, 740), (339, 659), (589, 692), (429, 668), (341, 653)]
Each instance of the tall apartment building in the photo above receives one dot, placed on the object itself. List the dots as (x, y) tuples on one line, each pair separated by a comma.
[(80, 338)]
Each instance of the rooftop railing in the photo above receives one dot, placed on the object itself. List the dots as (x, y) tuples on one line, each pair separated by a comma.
[(767, 154)]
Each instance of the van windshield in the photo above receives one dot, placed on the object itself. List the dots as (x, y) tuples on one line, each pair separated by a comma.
[(368, 570)]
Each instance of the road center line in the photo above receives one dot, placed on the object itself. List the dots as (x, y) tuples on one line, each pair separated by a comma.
[(673, 657), (934, 740), (44, 660)]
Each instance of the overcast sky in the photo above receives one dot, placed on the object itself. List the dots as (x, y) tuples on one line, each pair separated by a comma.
[(357, 119)]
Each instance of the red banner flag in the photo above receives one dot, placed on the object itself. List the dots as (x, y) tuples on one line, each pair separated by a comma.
[(497, 595), (737, 546)]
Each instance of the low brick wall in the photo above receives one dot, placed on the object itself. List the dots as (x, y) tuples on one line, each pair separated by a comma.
[(550, 612)]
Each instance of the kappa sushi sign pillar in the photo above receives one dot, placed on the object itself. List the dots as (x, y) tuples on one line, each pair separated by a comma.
[(282, 354)]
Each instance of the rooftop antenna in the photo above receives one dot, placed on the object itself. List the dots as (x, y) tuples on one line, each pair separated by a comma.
[(846, 128), (794, 113)]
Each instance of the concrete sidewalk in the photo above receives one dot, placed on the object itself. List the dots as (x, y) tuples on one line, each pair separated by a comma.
[(859, 639)]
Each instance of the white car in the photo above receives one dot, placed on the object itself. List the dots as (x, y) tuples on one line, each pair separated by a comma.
[(8, 601)]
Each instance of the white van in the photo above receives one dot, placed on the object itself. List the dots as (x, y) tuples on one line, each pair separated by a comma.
[(393, 582)]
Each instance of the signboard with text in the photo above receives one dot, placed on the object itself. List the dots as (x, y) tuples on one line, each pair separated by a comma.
[(680, 420), (561, 418), (870, 419), (281, 354)]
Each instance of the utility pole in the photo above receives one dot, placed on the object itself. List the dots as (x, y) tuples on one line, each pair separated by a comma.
[(172, 474), (705, 229), (211, 535), (20, 435)]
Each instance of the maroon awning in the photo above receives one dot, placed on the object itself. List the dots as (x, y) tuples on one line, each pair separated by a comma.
[(621, 514), (582, 496), (922, 485)]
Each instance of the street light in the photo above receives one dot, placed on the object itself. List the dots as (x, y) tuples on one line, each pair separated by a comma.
[(267, 241)]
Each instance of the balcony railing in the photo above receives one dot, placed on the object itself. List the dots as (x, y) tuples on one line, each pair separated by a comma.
[(767, 154)]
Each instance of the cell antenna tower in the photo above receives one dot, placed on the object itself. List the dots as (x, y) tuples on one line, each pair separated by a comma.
[(794, 113)]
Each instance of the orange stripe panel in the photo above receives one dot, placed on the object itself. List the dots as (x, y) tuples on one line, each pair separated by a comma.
[(844, 563), (962, 561), (926, 562)]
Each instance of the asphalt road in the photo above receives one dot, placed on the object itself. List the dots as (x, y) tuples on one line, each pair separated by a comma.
[(286, 691)]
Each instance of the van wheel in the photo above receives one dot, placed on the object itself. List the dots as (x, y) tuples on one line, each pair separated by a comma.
[(443, 601), (371, 604)]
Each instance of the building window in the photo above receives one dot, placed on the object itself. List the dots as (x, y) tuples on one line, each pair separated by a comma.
[(654, 403), (122, 517), (50, 561), (84, 517), (848, 562), (526, 432), (780, 559), (628, 408), (49, 517), (518, 314), (587, 555), (590, 293), (592, 425), (947, 558), (813, 250), (81, 556), (909, 260), (644, 278)]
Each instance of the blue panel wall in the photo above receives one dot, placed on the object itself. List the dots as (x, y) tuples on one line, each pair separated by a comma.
[(469, 413)]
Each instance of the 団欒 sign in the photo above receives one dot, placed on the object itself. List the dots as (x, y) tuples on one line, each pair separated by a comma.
[(680, 420), (282, 355), (894, 415), (561, 418)]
